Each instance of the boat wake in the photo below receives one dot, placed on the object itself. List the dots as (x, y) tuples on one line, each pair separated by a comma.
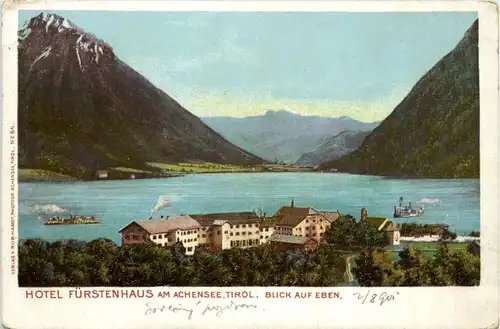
[(430, 201)]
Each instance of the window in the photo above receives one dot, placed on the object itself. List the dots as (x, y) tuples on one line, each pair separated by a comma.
[(232, 244), (267, 229), (237, 233), (257, 232), (261, 237), (230, 226), (231, 234), (218, 232), (237, 226), (178, 239), (225, 232), (256, 241), (243, 233), (189, 248), (307, 220), (249, 242), (154, 237), (244, 225), (244, 243)]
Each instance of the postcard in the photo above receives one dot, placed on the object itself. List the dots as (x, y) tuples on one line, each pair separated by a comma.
[(252, 164)]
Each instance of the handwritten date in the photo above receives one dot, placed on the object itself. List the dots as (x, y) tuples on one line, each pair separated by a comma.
[(375, 298)]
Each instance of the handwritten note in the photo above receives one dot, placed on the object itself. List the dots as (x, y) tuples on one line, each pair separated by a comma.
[(375, 298), (198, 309)]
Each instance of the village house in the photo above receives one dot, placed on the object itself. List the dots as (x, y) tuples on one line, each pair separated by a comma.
[(290, 242), (382, 224), (303, 221), (432, 231), (101, 174), (222, 231), (165, 232), (266, 229)]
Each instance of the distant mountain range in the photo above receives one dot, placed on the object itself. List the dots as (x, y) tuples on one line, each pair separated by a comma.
[(434, 131), (334, 147), (82, 109), (282, 135)]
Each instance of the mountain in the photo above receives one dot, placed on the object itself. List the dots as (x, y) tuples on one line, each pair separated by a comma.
[(282, 135), (82, 109), (434, 131), (334, 147)]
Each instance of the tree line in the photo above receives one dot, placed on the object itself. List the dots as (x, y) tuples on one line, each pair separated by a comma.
[(445, 268), (102, 263)]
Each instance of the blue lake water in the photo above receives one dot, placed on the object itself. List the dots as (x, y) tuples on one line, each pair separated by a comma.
[(117, 203)]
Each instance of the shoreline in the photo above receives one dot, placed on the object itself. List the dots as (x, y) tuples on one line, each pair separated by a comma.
[(182, 174), (458, 239)]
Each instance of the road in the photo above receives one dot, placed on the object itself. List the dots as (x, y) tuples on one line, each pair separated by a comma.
[(350, 276)]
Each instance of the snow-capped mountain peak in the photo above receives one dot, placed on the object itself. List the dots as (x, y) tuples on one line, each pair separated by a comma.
[(51, 31)]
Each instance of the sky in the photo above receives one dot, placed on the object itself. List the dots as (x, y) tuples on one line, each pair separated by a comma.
[(245, 63)]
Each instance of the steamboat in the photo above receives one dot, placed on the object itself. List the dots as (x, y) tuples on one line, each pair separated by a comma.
[(71, 220), (407, 211)]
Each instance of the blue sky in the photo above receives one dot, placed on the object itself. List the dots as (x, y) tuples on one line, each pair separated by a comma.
[(239, 64)]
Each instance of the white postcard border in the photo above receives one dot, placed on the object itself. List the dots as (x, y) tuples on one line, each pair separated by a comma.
[(443, 307)]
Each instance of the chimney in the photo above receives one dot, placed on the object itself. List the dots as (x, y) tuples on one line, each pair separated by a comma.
[(293, 203)]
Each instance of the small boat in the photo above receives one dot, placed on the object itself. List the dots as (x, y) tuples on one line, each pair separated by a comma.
[(71, 220), (407, 211)]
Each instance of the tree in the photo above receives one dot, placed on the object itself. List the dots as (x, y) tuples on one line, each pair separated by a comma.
[(448, 236), (414, 266), (457, 267), (342, 232), (372, 267), (346, 233), (474, 234), (368, 236)]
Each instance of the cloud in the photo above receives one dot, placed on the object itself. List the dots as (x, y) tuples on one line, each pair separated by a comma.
[(225, 103)]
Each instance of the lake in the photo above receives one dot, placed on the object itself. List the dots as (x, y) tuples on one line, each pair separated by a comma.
[(117, 203)]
